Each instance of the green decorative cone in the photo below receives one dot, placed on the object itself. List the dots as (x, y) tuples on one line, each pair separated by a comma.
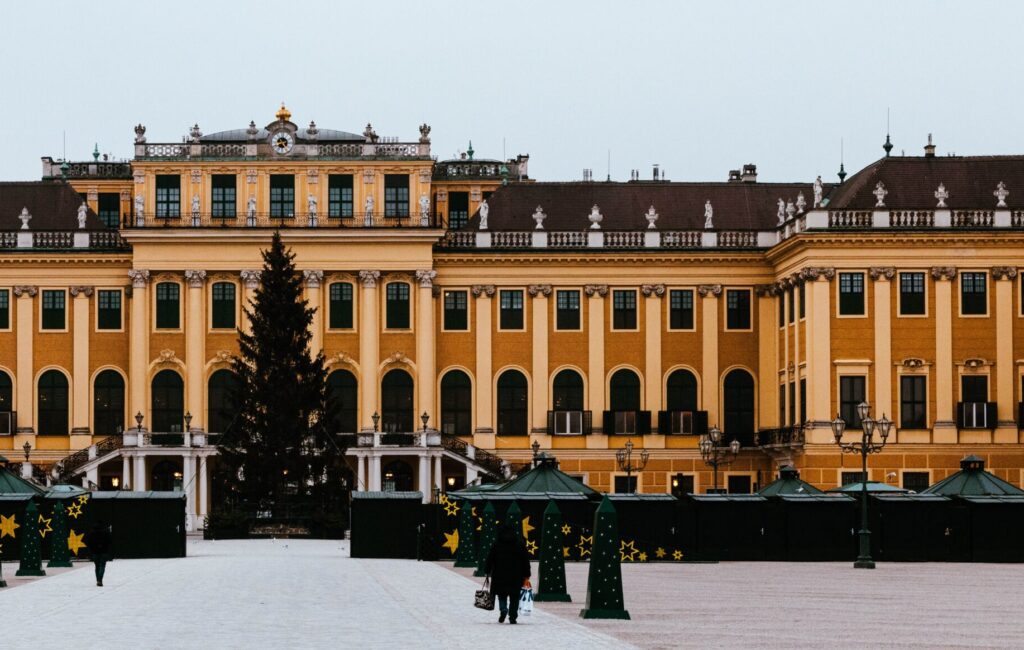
[(465, 556), (31, 544), (488, 535), (604, 583), (552, 559), (515, 516), (59, 555)]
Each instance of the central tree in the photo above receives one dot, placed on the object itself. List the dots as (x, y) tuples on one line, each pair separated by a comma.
[(278, 452)]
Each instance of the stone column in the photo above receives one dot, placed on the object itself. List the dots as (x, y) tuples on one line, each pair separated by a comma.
[(484, 432), (438, 478), (1006, 431), (595, 351), (195, 350), (24, 364), (710, 380), (360, 474), (188, 480), (250, 281), (944, 427), (767, 368), (369, 347), (819, 353), (203, 501), (375, 473), (80, 438), (882, 275), (539, 334), (126, 471), (138, 343), (426, 371), (139, 474), (652, 348), (314, 281), (424, 478)]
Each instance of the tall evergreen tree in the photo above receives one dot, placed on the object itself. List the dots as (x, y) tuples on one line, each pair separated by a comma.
[(278, 451)]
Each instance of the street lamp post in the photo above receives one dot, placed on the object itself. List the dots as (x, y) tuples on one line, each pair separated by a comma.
[(716, 455), (624, 458), (865, 446)]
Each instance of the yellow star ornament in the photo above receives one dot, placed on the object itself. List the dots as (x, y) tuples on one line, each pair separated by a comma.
[(584, 549), (47, 529), (643, 556), (627, 551), (660, 552), (450, 508), (83, 499), (451, 541), (8, 526), (565, 551), (677, 555), (526, 527), (75, 510), (75, 541), (566, 529), (531, 546)]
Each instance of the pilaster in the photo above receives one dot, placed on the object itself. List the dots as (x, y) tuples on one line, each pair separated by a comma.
[(540, 293), (595, 350), (767, 363), (80, 438), (944, 428), (484, 412), (25, 370), (425, 346), (250, 281), (369, 347), (819, 351), (314, 280), (709, 294), (653, 294), (1006, 431), (138, 343), (882, 310), (195, 351)]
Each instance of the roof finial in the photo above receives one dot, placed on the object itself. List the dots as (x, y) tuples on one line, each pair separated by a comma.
[(96, 151), (842, 171), (888, 144), (929, 149), (469, 151), (283, 113)]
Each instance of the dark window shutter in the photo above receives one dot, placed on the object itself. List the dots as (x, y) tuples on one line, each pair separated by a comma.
[(700, 423), (643, 422), (664, 424), (551, 422), (990, 415), (588, 424), (608, 422)]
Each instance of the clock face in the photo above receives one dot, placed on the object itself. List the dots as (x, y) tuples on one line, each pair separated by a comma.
[(282, 142)]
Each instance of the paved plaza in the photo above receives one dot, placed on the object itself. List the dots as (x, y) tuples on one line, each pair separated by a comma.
[(310, 594)]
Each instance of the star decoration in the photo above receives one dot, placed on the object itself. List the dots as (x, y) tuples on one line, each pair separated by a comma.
[(480, 521), (451, 541), (660, 553), (75, 541), (628, 551), (83, 499), (643, 556), (451, 508), (677, 555), (584, 550), (472, 511), (75, 510), (7, 526), (47, 529), (526, 527), (442, 499), (566, 529), (531, 546), (565, 551)]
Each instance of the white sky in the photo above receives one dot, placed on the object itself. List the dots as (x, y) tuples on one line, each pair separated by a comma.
[(700, 88)]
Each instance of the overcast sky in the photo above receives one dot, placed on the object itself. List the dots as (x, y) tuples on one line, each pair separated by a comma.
[(700, 88)]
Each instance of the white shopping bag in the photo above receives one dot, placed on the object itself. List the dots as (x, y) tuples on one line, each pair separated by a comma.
[(526, 600)]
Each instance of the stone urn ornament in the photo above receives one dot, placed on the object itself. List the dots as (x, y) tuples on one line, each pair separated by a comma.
[(595, 218), (539, 217), (652, 218)]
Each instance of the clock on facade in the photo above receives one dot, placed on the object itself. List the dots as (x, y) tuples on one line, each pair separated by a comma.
[(282, 142)]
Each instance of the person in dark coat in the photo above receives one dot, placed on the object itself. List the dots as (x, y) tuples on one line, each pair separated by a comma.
[(98, 541), (508, 567)]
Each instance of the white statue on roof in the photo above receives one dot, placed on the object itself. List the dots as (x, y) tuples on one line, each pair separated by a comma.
[(140, 203), (595, 218), (1001, 193), (83, 210), (818, 191), (651, 217), (709, 214), (790, 210), (25, 217), (368, 219), (941, 194), (880, 193), (801, 203), (781, 214), (484, 211), (539, 217)]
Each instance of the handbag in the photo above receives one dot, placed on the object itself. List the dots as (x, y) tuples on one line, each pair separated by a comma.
[(526, 599), (484, 599)]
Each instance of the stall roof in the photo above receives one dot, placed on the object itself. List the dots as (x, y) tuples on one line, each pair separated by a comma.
[(388, 495), (994, 498), (973, 480), (140, 494), (519, 496), (820, 497), (642, 497), (873, 487), (15, 497), (11, 483), (750, 498), (911, 496), (546, 477), (789, 482), (64, 491)]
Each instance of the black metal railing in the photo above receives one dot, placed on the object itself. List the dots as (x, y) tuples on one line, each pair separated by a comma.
[(976, 415), (781, 437), (490, 462), (564, 423), (636, 423), (683, 422)]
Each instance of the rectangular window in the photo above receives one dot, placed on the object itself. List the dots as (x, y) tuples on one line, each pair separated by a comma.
[(223, 316), (222, 204), (53, 310), (851, 393), (912, 294), (782, 309), (108, 309), (511, 305), (282, 195), (782, 405), (168, 295), (802, 294), (341, 306), (680, 309), (851, 294), (168, 196), (109, 209), (916, 481), (792, 403), (852, 477), (973, 294), (803, 400), (913, 402), (792, 304), (458, 209), (456, 310), (398, 306), (624, 310), (625, 484), (396, 195), (737, 309), (339, 196), (567, 310), (739, 484), (5, 309)]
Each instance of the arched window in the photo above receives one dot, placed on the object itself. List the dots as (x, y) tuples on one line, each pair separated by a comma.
[(567, 401), (456, 404), (221, 404), (625, 391), (681, 393), (512, 404), (396, 402), (6, 403), (167, 402), (343, 401), (738, 404), (108, 404), (53, 403)]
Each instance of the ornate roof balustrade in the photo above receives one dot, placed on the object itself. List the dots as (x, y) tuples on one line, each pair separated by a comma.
[(383, 148), (609, 240), (109, 240)]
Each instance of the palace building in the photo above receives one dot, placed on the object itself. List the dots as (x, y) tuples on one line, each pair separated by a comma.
[(470, 314)]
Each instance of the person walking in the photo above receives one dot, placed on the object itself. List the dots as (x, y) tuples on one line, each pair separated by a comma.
[(508, 567), (98, 541)]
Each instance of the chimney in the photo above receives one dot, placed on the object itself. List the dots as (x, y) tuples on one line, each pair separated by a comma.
[(734, 176), (655, 171), (750, 173), (929, 149), (587, 175)]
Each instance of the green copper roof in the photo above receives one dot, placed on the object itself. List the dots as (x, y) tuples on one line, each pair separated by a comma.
[(973, 480), (789, 482), (11, 483), (546, 477), (873, 486)]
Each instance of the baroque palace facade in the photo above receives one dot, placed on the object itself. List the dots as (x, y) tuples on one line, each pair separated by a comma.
[(470, 315)]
